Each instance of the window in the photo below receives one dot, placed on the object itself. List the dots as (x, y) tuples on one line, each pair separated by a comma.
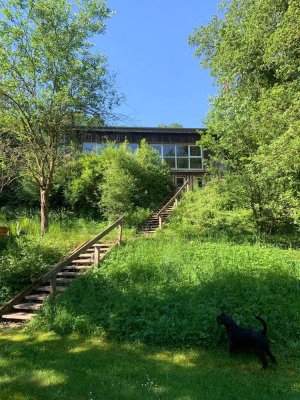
[(89, 147), (182, 163), (168, 151), (156, 147), (170, 162), (179, 156), (195, 151), (195, 163), (133, 147), (179, 181), (199, 182), (182, 151)]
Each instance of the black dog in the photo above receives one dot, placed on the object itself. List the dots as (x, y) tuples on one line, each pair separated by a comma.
[(240, 337)]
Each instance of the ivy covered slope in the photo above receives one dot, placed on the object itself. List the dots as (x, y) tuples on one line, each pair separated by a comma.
[(168, 289)]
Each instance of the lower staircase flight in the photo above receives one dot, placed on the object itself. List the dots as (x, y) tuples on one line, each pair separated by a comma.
[(25, 305)]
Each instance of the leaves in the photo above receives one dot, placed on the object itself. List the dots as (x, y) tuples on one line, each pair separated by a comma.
[(253, 129)]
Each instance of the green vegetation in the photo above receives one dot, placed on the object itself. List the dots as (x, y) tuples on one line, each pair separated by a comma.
[(25, 255), (165, 291), (48, 87), (118, 182), (252, 51), (168, 289), (46, 366)]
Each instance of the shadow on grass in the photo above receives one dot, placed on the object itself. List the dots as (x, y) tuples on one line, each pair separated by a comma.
[(166, 313), (46, 366)]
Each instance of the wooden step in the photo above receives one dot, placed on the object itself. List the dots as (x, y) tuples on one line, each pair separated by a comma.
[(64, 280), (86, 255), (82, 261), (47, 288), (37, 297), (69, 273), (103, 245), (28, 306), (18, 316), (78, 267)]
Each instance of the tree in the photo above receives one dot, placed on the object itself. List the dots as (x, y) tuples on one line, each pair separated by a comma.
[(9, 163), (253, 125), (50, 80), (115, 181), (171, 125)]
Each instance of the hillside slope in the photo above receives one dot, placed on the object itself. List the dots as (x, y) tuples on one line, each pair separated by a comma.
[(168, 289)]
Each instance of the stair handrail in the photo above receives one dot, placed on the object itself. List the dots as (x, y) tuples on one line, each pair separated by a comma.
[(51, 275), (185, 187)]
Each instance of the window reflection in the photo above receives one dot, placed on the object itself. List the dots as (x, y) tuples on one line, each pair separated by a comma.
[(156, 147), (195, 163), (168, 150), (182, 151), (170, 162), (195, 151), (176, 156), (182, 163)]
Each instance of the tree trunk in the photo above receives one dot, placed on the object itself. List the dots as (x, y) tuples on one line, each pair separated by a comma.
[(44, 193)]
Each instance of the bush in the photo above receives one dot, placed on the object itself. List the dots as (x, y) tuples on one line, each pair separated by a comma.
[(206, 213), (117, 182)]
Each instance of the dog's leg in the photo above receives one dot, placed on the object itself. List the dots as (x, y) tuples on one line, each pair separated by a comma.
[(262, 357), (271, 355), (232, 348)]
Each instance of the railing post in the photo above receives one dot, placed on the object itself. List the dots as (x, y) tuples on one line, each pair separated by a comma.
[(52, 287), (160, 220), (96, 256), (120, 231)]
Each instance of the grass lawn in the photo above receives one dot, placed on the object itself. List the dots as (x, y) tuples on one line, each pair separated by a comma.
[(143, 326), (49, 367)]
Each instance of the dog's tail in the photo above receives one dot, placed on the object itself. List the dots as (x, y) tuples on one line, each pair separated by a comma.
[(264, 331)]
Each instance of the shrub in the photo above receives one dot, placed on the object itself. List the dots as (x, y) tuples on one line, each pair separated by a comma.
[(206, 213)]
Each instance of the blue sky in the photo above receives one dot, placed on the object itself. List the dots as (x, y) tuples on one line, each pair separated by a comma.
[(147, 46)]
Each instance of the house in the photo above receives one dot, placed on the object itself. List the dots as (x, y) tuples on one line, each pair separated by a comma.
[(177, 146)]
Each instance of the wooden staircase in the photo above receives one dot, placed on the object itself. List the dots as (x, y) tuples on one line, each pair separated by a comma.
[(157, 219), (25, 305)]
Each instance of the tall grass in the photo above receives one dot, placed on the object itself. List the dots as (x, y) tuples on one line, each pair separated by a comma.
[(169, 291), (25, 254)]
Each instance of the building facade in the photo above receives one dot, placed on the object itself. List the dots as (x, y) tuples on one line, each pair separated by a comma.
[(177, 146)]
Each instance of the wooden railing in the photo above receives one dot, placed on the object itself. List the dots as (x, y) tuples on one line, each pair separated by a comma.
[(50, 276), (184, 188)]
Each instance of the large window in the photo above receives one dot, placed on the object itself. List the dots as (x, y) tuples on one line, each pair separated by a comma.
[(185, 157), (180, 156)]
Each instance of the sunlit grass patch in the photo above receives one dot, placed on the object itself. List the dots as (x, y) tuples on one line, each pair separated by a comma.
[(74, 367)]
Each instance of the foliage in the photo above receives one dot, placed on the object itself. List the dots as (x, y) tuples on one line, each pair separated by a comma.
[(154, 178), (253, 125), (81, 184), (51, 80), (171, 125), (9, 162), (117, 182), (133, 181), (212, 213), (168, 290), (24, 255)]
